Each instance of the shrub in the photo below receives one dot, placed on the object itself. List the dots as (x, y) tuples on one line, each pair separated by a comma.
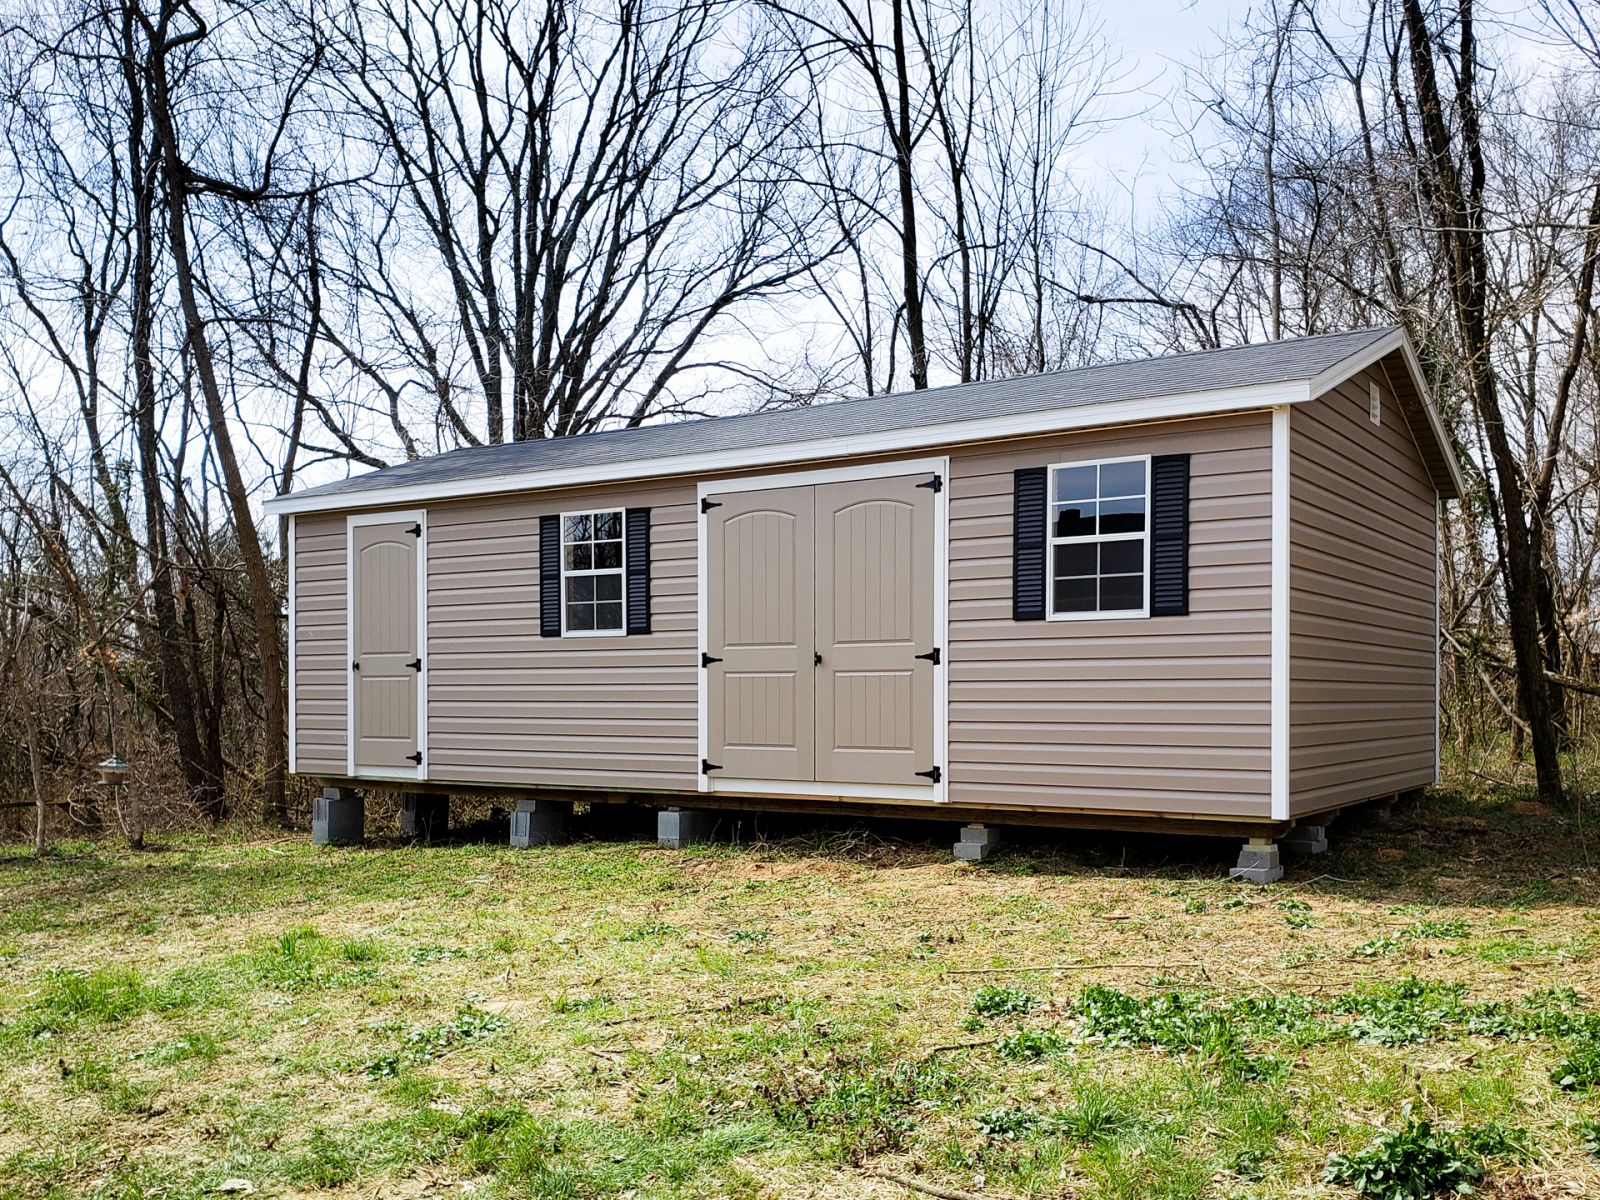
[(1414, 1162)]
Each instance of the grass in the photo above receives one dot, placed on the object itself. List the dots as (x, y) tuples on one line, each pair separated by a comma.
[(1079, 1017)]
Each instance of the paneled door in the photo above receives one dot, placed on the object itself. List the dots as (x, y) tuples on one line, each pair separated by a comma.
[(761, 634), (819, 662), (874, 580), (386, 663)]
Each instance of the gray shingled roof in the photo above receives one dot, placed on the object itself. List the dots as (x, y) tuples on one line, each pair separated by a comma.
[(1289, 361)]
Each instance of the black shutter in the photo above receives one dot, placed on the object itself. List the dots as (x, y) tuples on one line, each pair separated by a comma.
[(638, 574), (1027, 544), (549, 576), (1169, 535)]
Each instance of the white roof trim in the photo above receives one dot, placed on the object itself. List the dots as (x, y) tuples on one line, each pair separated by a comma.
[(1060, 420)]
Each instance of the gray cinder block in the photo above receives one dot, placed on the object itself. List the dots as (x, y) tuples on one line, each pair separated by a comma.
[(680, 827), (424, 815), (538, 823), (1259, 862), (976, 842), (1306, 839), (338, 818)]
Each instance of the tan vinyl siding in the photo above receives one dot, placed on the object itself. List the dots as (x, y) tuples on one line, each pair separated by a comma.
[(322, 660), (1362, 602), (506, 706), (1157, 715)]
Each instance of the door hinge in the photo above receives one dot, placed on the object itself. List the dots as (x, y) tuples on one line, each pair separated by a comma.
[(416, 530), (935, 485), (707, 504), (932, 773), (931, 656), (707, 658), (416, 665), (707, 766), (416, 758)]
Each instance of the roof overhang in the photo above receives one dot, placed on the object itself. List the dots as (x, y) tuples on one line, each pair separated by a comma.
[(1176, 406)]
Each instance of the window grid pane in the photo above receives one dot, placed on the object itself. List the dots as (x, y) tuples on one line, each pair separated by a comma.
[(1098, 528), (592, 568)]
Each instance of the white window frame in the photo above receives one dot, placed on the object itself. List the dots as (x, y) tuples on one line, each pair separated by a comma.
[(620, 572), (1052, 541)]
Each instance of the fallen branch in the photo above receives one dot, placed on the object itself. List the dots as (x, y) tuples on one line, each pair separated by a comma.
[(959, 1046), (1077, 966), (927, 1189), (726, 1006)]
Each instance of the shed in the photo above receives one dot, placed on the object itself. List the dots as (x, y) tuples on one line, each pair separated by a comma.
[(1196, 592)]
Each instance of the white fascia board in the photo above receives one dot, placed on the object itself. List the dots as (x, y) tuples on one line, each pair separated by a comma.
[(1382, 348), (983, 429)]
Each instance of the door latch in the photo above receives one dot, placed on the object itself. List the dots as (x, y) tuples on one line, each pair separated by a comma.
[(355, 666), (818, 657), (931, 656)]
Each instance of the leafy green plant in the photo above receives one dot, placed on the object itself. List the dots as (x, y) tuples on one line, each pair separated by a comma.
[(1453, 929), (1589, 1137), (1008, 1123), (1580, 1069), (1414, 1162), (1032, 1043), (423, 1045), (1379, 947), (994, 1000)]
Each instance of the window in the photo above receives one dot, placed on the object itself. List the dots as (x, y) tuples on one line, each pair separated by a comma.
[(591, 572), (1099, 542)]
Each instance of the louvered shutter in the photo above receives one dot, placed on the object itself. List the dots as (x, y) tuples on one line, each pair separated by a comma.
[(1028, 544), (1169, 535), (550, 576), (638, 572)]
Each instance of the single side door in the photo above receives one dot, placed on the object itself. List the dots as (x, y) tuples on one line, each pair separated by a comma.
[(386, 665), (875, 622), (761, 634)]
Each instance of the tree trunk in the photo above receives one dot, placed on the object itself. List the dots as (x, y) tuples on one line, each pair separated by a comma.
[(263, 596), (173, 656), (1458, 212)]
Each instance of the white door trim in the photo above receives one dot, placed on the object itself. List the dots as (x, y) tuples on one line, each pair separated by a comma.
[(294, 668), (941, 628), (416, 516)]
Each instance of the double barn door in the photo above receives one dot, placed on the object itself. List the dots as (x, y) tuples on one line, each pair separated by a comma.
[(820, 646)]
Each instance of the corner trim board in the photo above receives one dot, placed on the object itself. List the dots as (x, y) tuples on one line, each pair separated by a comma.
[(294, 666), (1280, 613), (388, 517)]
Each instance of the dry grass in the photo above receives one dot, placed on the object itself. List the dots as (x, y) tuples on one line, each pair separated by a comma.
[(793, 1018)]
